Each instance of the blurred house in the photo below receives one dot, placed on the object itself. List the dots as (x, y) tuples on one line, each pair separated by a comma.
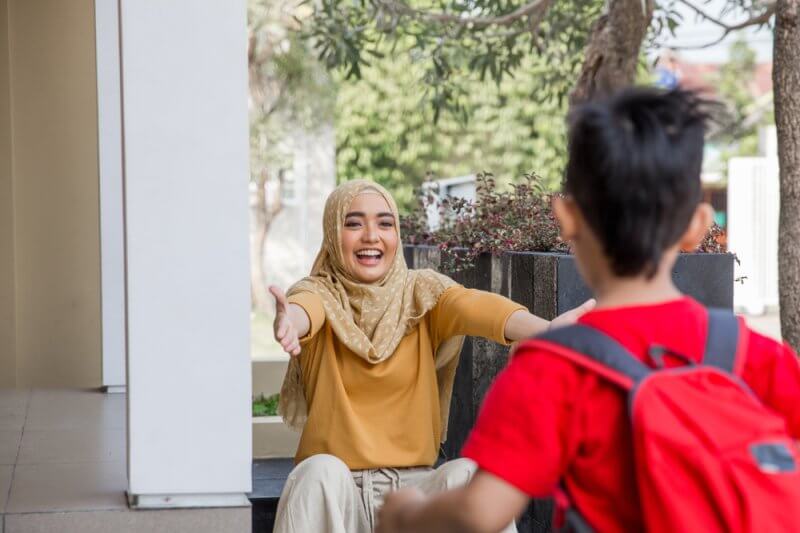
[(295, 234)]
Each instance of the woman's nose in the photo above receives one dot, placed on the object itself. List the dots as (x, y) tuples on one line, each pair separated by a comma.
[(370, 234)]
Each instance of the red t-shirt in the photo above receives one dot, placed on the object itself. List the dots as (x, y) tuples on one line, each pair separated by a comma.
[(546, 420)]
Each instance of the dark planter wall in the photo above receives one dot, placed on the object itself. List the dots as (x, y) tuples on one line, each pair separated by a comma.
[(548, 284)]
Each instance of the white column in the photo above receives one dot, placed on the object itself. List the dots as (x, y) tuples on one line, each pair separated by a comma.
[(185, 124), (112, 238), (753, 207)]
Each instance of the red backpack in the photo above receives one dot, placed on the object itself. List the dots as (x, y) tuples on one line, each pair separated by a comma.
[(709, 456)]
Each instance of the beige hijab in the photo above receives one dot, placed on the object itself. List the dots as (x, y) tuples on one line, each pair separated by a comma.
[(369, 318)]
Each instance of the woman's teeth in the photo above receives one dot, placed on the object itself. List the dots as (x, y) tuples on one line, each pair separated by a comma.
[(369, 257)]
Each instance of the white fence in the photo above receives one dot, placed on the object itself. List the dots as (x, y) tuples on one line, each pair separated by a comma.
[(753, 208)]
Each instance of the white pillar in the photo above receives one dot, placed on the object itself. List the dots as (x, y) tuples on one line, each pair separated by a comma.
[(753, 207), (112, 239), (185, 124)]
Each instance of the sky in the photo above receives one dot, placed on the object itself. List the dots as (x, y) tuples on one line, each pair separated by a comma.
[(695, 31)]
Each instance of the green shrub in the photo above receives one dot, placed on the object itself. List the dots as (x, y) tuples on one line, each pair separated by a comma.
[(265, 406)]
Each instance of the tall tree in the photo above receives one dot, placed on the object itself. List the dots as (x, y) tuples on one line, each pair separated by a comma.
[(786, 83), (614, 48)]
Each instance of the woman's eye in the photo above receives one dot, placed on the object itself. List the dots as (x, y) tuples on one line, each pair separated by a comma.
[(351, 224), (387, 224)]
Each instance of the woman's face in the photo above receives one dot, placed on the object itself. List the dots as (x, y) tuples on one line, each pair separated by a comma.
[(369, 238)]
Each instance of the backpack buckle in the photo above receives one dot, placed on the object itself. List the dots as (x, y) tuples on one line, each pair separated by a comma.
[(657, 353)]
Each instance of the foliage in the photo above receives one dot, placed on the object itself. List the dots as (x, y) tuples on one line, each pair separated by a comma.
[(386, 133), (265, 406), (454, 41), (744, 114), (517, 219)]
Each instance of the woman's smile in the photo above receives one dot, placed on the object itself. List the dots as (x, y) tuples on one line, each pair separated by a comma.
[(369, 257)]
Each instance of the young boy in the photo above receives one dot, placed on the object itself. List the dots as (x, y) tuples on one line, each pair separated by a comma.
[(633, 201)]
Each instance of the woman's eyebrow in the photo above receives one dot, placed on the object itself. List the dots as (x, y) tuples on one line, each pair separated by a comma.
[(363, 215)]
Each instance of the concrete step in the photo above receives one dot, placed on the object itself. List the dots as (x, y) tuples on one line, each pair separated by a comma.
[(269, 476)]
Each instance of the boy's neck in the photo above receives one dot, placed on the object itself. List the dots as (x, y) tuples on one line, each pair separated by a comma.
[(623, 292)]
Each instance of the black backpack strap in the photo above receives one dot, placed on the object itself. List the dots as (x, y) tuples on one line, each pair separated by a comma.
[(597, 347), (723, 340)]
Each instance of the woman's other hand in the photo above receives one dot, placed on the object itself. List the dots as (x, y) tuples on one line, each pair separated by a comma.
[(285, 331), (572, 316)]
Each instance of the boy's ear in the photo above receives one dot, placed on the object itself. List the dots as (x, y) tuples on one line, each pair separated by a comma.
[(565, 211), (699, 225)]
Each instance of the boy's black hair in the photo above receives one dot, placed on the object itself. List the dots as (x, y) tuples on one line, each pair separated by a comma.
[(634, 171)]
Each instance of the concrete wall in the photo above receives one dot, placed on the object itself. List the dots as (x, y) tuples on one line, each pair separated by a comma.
[(8, 367), (53, 130)]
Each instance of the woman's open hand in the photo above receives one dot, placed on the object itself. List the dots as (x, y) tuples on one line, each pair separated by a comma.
[(285, 332), (572, 316)]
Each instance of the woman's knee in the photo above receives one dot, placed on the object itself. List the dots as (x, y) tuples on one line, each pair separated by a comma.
[(455, 473), (320, 468)]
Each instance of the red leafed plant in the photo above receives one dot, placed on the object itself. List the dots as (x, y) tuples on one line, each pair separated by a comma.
[(518, 219)]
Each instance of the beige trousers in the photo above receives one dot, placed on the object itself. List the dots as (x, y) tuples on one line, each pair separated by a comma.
[(322, 495)]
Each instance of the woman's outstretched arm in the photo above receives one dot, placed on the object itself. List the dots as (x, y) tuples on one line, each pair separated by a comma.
[(462, 311), (291, 322)]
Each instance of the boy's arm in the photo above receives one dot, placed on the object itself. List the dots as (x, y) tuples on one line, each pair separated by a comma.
[(519, 442), (487, 504), (772, 372)]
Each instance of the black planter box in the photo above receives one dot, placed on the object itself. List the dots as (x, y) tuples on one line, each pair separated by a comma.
[(548, 284)]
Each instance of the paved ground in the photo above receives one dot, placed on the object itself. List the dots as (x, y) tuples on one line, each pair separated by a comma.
[(62, 470)]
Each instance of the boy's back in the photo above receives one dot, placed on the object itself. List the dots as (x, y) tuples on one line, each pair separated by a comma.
[(547, 421)]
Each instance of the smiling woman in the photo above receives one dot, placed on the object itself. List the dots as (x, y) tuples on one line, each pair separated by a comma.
[(375, 349)]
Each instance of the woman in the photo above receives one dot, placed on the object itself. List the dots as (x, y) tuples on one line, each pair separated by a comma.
[(374, 350)]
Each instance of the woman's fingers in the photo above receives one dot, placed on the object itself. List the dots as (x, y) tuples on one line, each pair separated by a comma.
[(283, 327), (287, 340), (281, 304), (571, 316), (294, 349)]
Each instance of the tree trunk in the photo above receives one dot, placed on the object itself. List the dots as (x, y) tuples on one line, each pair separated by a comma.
[(612, 52), (261, 217), (786, 83)]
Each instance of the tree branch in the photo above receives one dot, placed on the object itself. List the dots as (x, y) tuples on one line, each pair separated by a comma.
[(756, 20), (478, 23)]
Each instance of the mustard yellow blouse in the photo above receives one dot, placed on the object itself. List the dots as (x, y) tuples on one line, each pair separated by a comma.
[(386, 414)]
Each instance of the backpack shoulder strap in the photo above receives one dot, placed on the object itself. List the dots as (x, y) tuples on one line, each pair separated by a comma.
[(596, 351), (722, 341)]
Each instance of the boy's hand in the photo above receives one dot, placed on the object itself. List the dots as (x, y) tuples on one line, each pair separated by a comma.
[(572, 316), (285, 332), (395, 509)]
